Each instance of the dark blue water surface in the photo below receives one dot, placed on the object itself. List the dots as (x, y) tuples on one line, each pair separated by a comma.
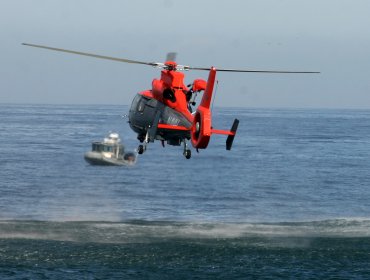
[(290, 200)]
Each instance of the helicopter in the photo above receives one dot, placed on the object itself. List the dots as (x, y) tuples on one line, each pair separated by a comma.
[(165, 112)]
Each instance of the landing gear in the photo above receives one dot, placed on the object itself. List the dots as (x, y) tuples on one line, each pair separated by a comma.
[(142, 148), (187, 152)]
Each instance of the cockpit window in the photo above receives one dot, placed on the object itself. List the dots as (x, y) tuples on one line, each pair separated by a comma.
[(140, 106)]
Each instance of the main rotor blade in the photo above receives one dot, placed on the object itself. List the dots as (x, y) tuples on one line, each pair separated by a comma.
[(161, 65), (92, 55), (253, 71)]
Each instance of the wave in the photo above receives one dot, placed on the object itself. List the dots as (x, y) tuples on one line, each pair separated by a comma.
[(140, 231)]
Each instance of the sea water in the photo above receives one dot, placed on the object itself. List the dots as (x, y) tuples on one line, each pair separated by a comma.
[(290, 200)]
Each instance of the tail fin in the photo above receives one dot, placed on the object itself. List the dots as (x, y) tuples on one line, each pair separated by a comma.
[(202, 124), (207, 95), (202, 130)]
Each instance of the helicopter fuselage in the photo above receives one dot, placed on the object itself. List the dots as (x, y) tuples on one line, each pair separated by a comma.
[(158, 110), (164, 112), (142, 117)]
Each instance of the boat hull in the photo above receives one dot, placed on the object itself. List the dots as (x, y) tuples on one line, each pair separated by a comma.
[(95, 158)]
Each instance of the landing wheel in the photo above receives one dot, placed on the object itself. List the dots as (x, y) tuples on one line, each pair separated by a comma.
[(140, 149), (187, 154)]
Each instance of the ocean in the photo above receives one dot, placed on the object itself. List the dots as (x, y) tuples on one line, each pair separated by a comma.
[(290, 200)]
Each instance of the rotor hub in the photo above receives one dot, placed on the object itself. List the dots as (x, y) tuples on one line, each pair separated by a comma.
[(170, 65)]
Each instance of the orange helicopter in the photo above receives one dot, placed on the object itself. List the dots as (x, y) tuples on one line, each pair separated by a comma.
[(165, 112)]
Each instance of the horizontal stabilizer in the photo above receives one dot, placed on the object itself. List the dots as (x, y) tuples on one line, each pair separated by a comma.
[(230, 138)]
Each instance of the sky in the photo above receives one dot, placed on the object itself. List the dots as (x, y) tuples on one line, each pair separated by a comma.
[(331, 36)]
